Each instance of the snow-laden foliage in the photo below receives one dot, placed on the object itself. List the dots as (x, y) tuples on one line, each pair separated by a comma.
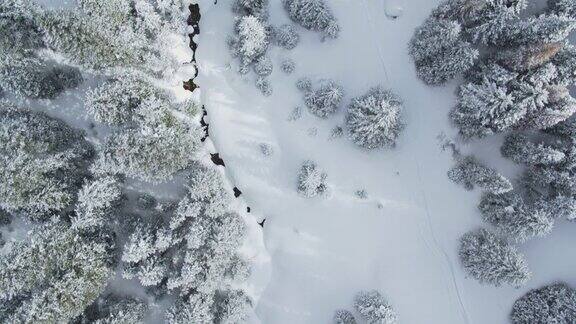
[(18, 30), (492, 260), (469, 173), (36, 78), (311, 180), (343, 316), (286, 36), (324, 99), (288, 66), (55, 274), (115, 309), (42, 162), (563, 7), (95, 201), (264, 85), (197, 309), (263, 66), (258, 8), (251, 40), (374, 308), (555, 303), (374, 120), (313, 15), (191, 251), (520, 149), (512, 217), (439, 52)]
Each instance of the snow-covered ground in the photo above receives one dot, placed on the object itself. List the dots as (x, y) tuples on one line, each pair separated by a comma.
[(403, 239)]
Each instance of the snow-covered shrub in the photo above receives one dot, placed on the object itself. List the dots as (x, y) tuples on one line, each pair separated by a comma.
[(469, 172), (337, 132), (36, 78), (250, 41), (266, 149), (295, 114), (313, 15), (519, 149), (374, 309), (257, 8), (264, 85), (324, 100), (263, 66), (311, 180), (492, 260), (42, 162), (343, 316), (374, 120), (555, 303), (304, 84), (288, 66), (439, 52), (286, 36), (512, 217)]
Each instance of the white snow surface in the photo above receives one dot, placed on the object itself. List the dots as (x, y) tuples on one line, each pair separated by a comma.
[(325, 250)]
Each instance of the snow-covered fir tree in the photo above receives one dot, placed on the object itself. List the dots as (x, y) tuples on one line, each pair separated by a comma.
[(250, 41), (374, 308), (513, 218), (374, 120), (562, 7), (115, 309), (263, 66), (543, 29), (42, 162), (343, 316), (469, 172), (313, 15), (288, 66), (325, 99), (96, 199), (519, 149), (257, 8), (197, 309), (555, 303), (286, 36), (311, 180), (439, 52), (492, 260), (231, 306), (18, 30)]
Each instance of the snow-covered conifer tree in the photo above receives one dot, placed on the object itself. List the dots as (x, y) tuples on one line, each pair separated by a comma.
[(374, 120), (555, 303), (257, 8), (251, 40), (513, 218), (374, 309), (115, 309), (286, 36), (231, 306), (313, 15), (311, 180), (543, 29), (343, 316), (18, 30), (562, 7), (492, 260), (519, 149), (325, 99), (95, 202), (469, 172), (263, 66), (197, 309)]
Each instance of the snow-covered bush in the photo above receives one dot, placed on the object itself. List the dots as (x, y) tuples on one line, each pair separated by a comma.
[(288, 66), (266, 149), (304, 84), (374, 309), (311, 180), (286, 36), (250, 41), (313, 15), (513, 218), (492, 260), (343, 316), (324, 100), (439, 52), (555, 303), (264, 85), (374, 120), (263, 66), (42, 162), (36, 78), (469, 172)]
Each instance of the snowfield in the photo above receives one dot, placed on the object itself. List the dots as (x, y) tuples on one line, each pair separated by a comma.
[(402, 240)]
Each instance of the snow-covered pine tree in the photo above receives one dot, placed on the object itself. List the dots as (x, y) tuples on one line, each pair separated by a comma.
[(264, 85), (263, 66), (520, 149), (197, 309), (311, 180), (18, 30), (469, 172), (231, 306), (439, 51), (543, 29), (374, 309), (524, 58), (555, 303), (115, 309), (325, 99), (562, 7), (513, 218), (286, 36), (313, 15), (36, 78), (42, 162), (258, 8), (343, 316), (96, 200), (565, 65), (492, 260), (251, 40), (55, 274), (374, 120)]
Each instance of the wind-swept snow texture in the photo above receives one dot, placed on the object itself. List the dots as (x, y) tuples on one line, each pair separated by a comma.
[(402, 240)]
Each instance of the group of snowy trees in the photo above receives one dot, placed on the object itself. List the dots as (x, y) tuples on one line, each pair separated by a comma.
[(80, 201), (313, 15), (371, 307), (555, 303)]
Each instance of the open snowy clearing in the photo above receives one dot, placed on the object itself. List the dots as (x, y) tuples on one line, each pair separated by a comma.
[(402, 239)]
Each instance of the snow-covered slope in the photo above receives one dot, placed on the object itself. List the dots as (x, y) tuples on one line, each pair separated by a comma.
[(403, 239)]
